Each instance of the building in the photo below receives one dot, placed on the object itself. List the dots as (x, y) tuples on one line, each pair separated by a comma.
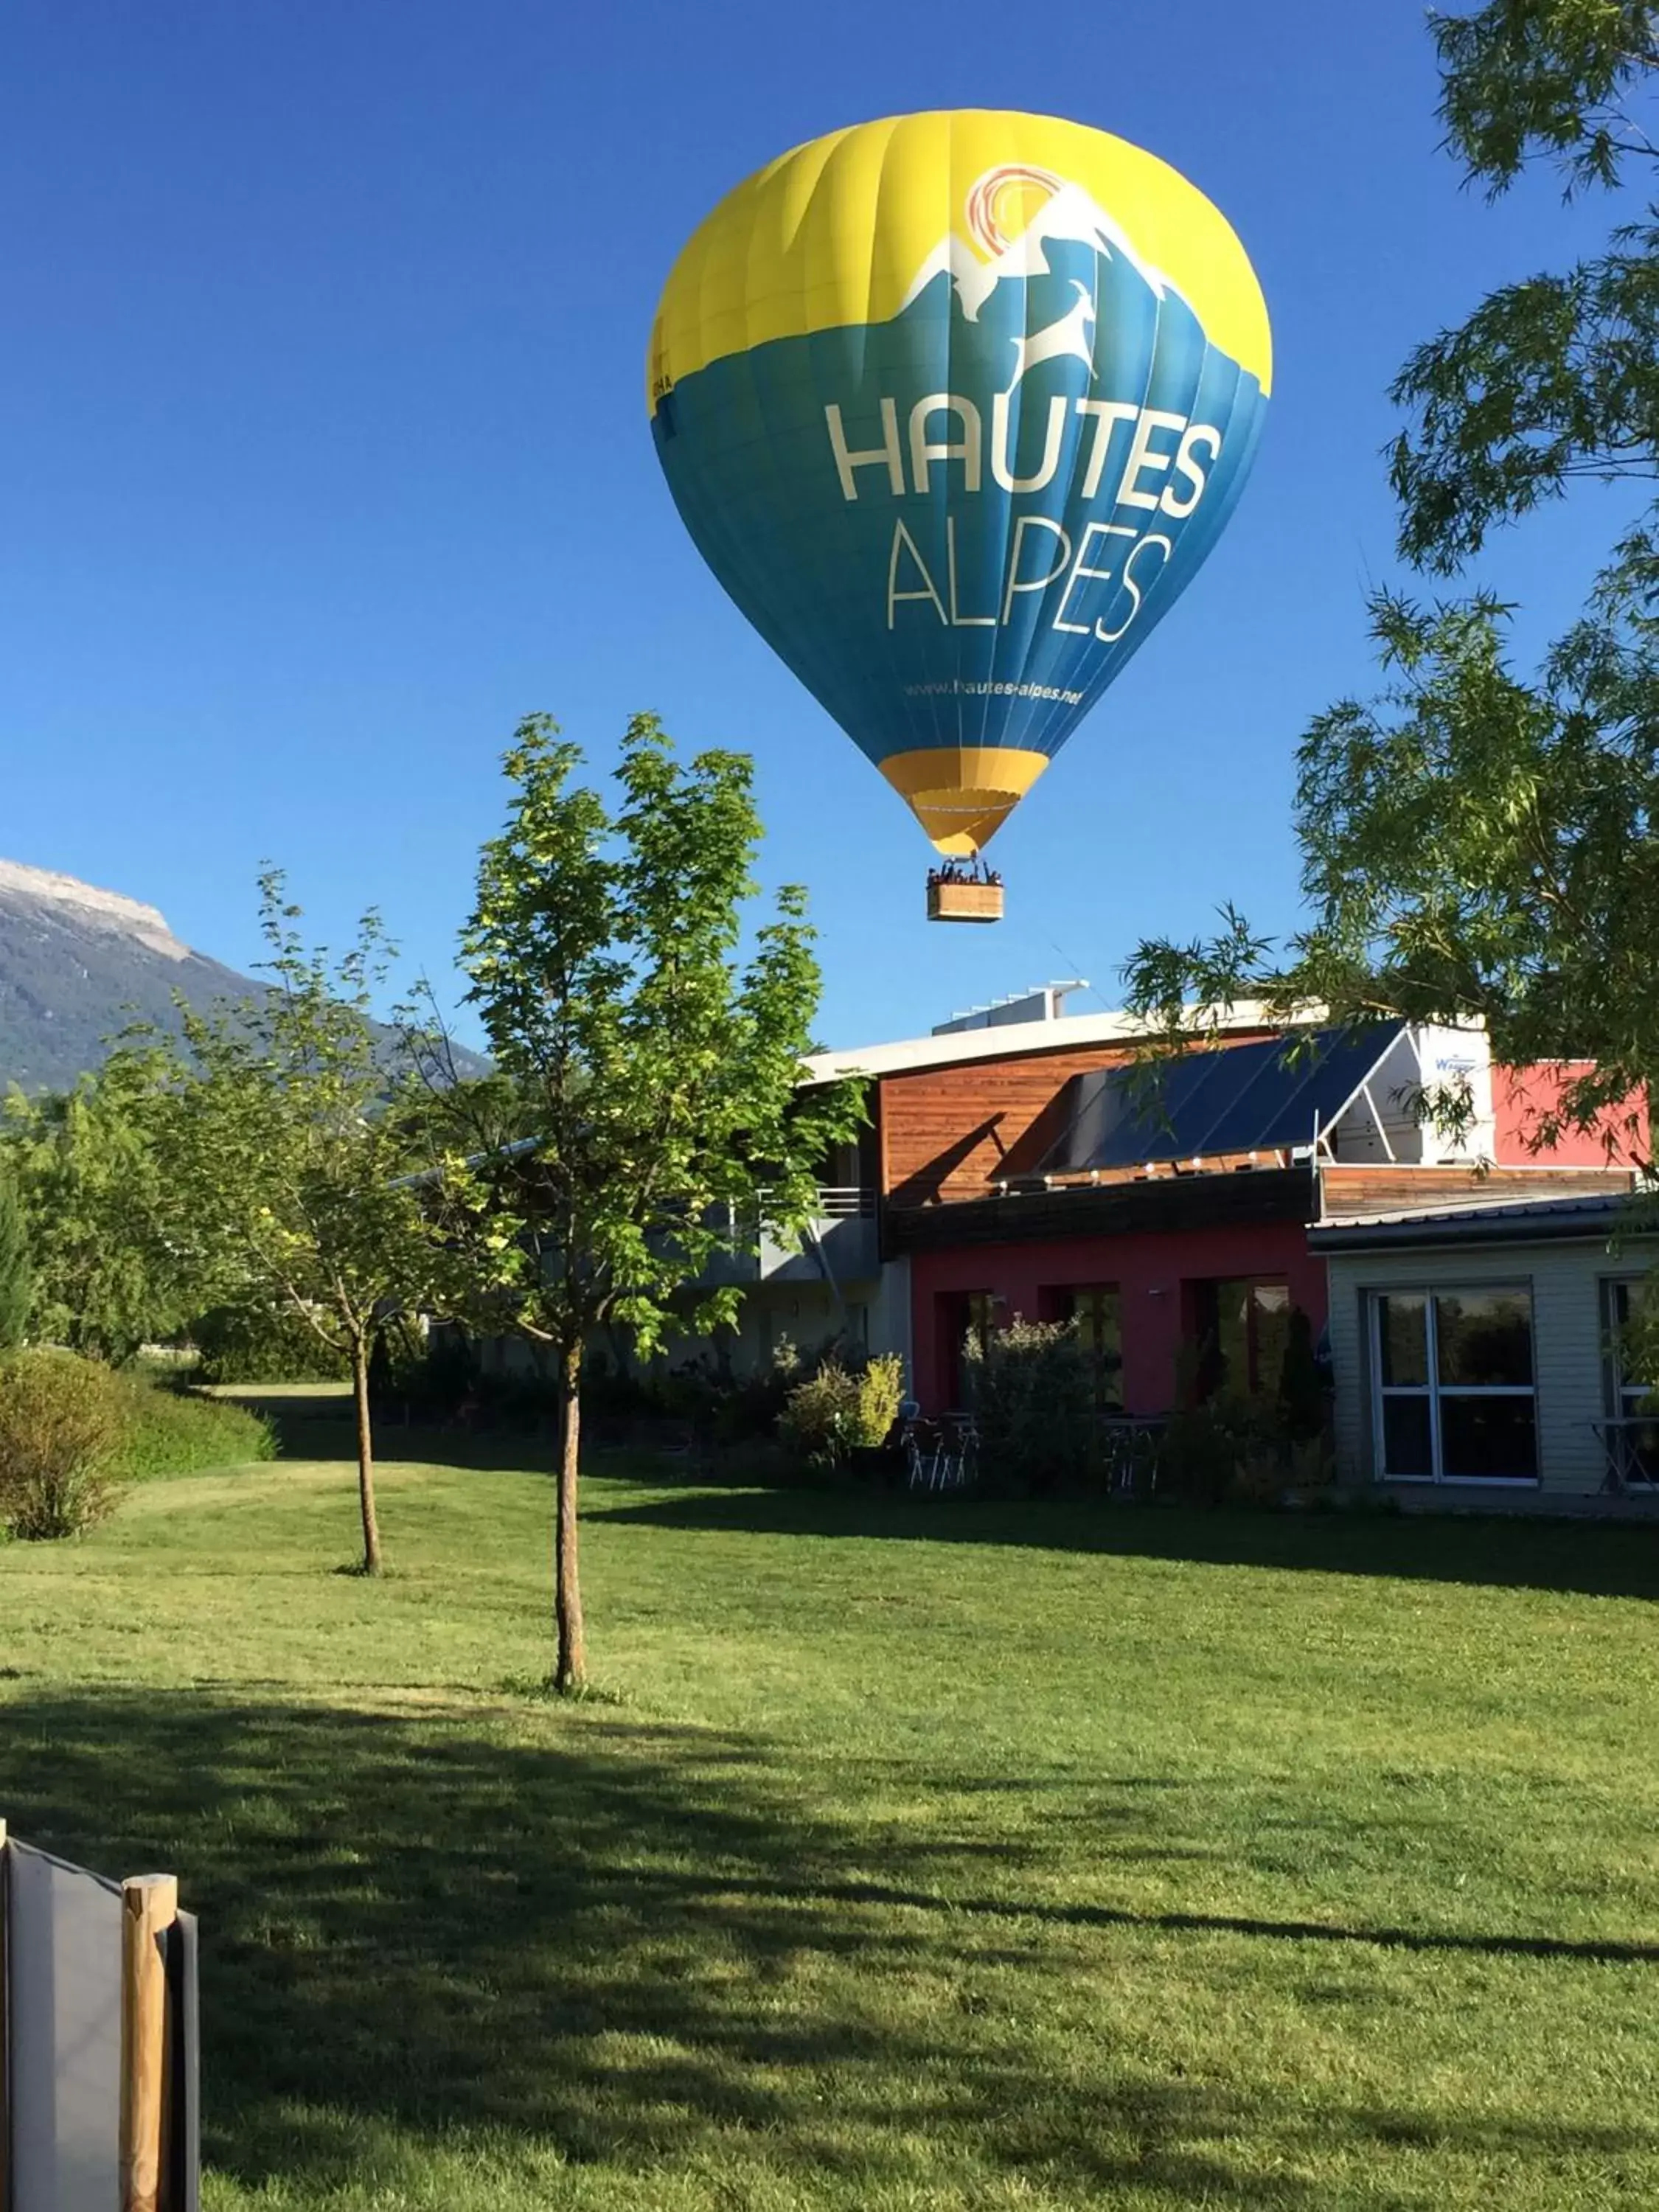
[(1015, 1163), (1482, 1348)]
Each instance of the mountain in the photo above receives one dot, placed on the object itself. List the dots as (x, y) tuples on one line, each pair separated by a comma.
[(1068, 217), (78, 963)]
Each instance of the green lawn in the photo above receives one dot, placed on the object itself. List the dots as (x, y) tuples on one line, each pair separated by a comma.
[(922, 1854)]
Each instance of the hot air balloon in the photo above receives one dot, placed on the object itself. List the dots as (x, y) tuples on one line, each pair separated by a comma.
[(954, 405)]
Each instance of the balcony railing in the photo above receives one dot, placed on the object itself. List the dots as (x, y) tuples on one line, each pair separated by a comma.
[(838, 1201), (846, 1201)]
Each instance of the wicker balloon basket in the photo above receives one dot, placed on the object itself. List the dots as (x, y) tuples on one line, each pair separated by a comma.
[(953, 897)]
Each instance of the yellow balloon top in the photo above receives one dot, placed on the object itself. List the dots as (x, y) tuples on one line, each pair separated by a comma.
[(837, 232)]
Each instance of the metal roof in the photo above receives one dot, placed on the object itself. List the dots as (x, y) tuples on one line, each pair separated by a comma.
[(1006, 1041), (1273, 1095), (1511, 1221)]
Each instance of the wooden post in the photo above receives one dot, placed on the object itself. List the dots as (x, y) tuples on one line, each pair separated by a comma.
[(150, 1906)]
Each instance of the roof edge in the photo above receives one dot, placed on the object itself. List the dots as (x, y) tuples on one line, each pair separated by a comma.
[(1030, 1039)]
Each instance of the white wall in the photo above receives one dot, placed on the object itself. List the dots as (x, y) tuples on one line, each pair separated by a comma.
[(890, 1315), (1444, 1056), (1564, 1279)]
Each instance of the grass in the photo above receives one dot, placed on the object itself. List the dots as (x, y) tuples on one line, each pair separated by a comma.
[(921, 1853)]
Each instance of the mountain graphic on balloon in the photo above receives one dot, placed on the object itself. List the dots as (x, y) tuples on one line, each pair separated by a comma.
[(956, 479), (1014, 244)]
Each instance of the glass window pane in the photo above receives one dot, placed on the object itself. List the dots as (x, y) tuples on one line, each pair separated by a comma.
[(1271, 1322), (1232, 1330), (1484, 1337), (1401, 1326), (1487, 1436), (1094, 1309), (1406, 1446), (1641, 1458), (1628, 1310)]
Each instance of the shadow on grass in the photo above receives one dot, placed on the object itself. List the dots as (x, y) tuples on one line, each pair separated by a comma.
[(320, 1426), (1595, 1558), (625, 1944)]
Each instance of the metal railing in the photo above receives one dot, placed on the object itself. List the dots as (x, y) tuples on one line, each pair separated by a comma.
[(1630, 1449), (836, 1201), (846, 1201)]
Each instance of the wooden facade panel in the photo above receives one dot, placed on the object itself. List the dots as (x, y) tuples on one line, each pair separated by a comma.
[(1359, 1190), (949, 1133), (952, 1133)]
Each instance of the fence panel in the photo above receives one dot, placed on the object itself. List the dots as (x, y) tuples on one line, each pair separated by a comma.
[(64, 1964)]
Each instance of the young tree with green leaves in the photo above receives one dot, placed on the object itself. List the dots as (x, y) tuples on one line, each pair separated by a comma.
[(16, 1274), (1479, 845), (645, 1118), (86, 1169), (285, 1147)]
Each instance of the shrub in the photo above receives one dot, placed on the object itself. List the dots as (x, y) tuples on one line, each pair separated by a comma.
[(170, 1431), (1310, 1462), (71, 1430), (262, 1343), (1241, 1451), (818, 1417), (881, 1393), (1302, 1397), (1227, 1446), (1032, 1398), (448, 1375), (832, 1412), (59, 1421)]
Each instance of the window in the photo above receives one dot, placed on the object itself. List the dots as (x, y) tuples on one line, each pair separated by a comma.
[(1633, 1436), (1454, 1400), (1242, 1325), (962, 1313), (1095, 1310)]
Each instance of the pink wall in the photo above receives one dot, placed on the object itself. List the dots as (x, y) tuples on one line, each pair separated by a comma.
[(1150, 1271), (1520, 1095)]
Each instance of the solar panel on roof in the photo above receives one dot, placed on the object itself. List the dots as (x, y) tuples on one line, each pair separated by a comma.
[(1280, 1106), (1240, 1098)]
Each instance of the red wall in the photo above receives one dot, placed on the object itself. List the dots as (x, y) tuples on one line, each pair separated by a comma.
[(1149, 1270), (1519, 1096)]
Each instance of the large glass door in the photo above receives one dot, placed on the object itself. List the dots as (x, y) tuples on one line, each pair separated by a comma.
[(1454, 1400)]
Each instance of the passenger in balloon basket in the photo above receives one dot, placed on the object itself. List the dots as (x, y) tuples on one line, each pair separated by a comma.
[(972, 871)]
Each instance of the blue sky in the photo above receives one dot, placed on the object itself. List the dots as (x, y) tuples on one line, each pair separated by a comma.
[(324, 454)]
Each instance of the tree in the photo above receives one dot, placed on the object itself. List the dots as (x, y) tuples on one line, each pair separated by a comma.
[(286, 1151), (87, 1170), (1479, 846), (17, 1275), (645, 1117), (1556, 377)]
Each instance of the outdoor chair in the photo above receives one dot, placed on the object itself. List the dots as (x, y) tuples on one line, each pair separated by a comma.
[(939, 1454), (1131, 1451)]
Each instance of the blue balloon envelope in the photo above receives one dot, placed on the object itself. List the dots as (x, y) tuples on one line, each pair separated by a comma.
[(957, 516)]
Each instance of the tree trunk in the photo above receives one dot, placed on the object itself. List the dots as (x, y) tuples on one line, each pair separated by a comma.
[(571, 1672), (365, 1457)]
